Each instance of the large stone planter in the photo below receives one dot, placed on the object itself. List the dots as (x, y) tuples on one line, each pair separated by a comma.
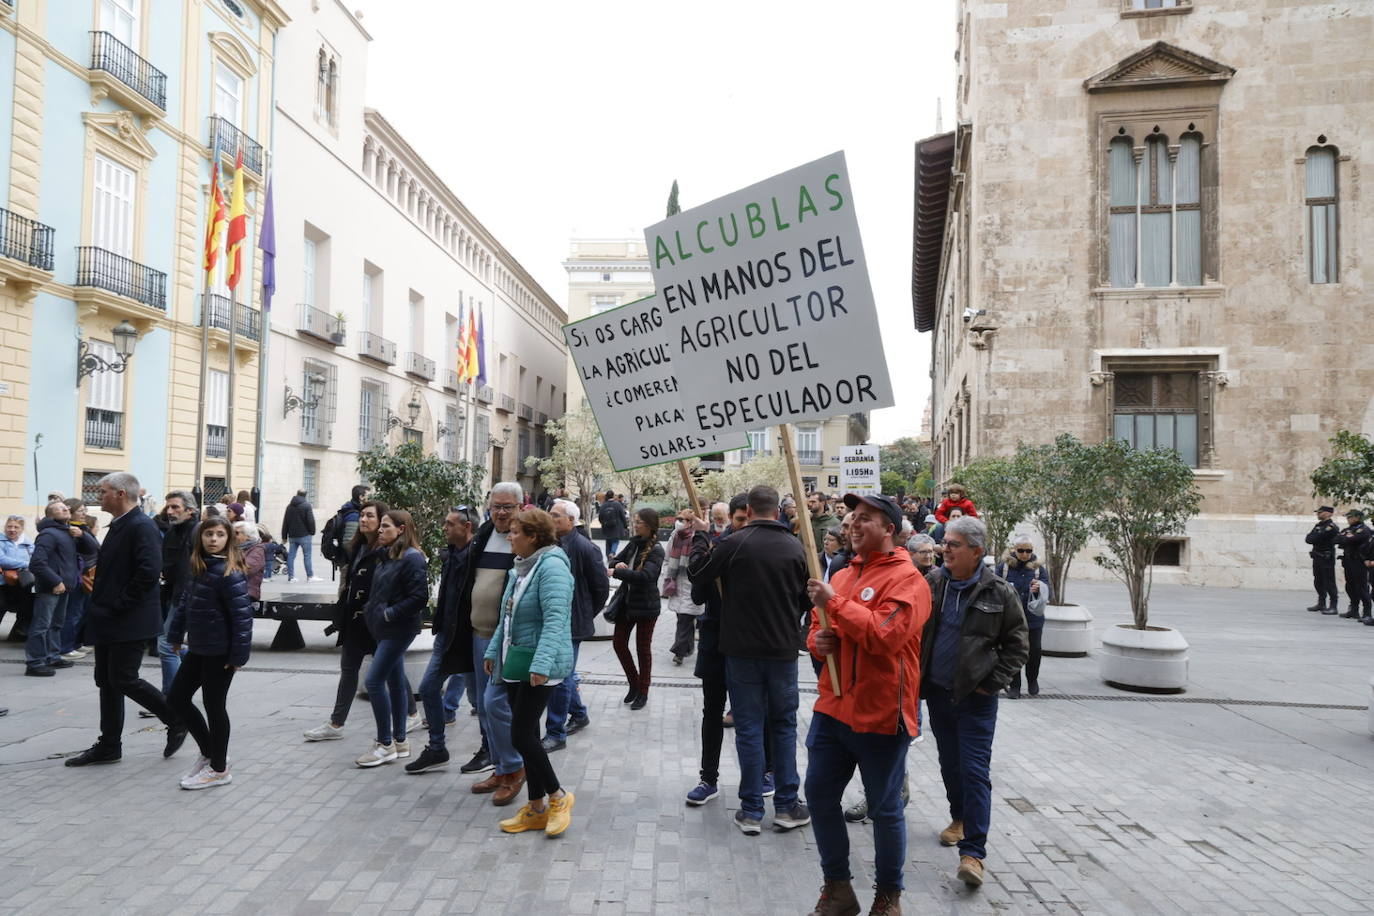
[(1068, 631), (1151, 661)]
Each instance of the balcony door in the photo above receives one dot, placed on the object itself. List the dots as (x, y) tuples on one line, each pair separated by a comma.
[(112, 208), (120, 19), (228, 94), (105, 402)]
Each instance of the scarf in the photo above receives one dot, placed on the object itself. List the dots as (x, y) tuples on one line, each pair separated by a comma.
[(681, 543)]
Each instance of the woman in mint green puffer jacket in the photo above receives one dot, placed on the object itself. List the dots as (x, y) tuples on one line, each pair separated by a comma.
[(535, 623)]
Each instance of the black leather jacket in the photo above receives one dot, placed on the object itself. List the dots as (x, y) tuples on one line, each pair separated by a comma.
[(995, 640)]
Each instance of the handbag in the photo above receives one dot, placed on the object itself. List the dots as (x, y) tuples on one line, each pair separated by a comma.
[(20, 578), (612, 612), (516, 665)]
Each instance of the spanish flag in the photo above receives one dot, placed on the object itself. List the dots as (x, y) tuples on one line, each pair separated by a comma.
[(215, 218), (471, 364), (238, 227)]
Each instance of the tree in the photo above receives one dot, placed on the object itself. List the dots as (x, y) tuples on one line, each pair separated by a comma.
[(578, 456), (908, 458), (1063, 487), (996, 488), (426, 486), (720, 486), (673, 208), (1347, 476), (649, 481), (1149, 495), (893, 483)]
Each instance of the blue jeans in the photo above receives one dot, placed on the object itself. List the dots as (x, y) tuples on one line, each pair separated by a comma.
[(76, 610), (833, 750), (304, 545), (565, 702), (493, 708), (386, 688), (963, 736), (45, 632), (764, 692), (441, 704)]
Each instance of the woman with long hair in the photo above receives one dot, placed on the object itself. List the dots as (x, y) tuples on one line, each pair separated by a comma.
[(395, 603), (637, 603), (215, 617), (531, 653)]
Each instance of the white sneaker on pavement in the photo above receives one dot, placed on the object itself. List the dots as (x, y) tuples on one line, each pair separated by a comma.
[(314, 579), (380, 754), (325, 732), (202, 762), (73, 655), (207, 779)]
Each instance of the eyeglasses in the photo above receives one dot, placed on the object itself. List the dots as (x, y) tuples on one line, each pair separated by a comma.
[(1024, 550), (503, 507), (957, 545)]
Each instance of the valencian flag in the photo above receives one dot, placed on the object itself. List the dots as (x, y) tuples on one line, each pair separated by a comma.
[(462, 364), (215, 219), (481, 351), (238, 227)]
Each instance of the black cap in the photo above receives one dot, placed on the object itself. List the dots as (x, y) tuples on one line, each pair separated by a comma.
[(1325, 509), (885, 504), (1354, 513)]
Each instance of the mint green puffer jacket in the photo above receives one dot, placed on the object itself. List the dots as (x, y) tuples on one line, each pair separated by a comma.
[(542, 617)]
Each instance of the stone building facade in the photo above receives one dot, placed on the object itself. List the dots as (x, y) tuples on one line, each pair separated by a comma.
[(1148, 224)]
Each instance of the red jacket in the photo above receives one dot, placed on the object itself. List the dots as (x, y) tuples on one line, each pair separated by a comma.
[(879, 611), (966, 504)]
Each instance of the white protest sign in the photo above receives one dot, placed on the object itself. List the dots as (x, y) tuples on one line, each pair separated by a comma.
[(627, 370), (766, 305), (859, 471)]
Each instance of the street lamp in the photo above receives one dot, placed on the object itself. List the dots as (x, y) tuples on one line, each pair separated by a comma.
[(308, 400), (413, 409), (499, 443), (88, 363)]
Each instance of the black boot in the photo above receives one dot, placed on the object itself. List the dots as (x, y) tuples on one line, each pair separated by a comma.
[(1351, 614), (1330, 611), (1319, 606)]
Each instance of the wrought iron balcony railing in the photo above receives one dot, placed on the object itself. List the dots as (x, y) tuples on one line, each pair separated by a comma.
[(526, 412), (450, 379), (417, 364), (319, 323), (507, 403), (117, 274), (104, 428), (376, 347), (231, 141), (809, 456), (25, 240), (749, 454), (119, 60), (316, 433), (541, 418), (216, 441), (215, 309), (485, 394)]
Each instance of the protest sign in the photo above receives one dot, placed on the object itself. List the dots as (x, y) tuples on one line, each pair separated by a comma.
[(859, 472), (765, 304), (627, 370)]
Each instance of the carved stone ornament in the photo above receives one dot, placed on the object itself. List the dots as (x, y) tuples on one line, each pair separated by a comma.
[(1160, 65), (1099, 379)]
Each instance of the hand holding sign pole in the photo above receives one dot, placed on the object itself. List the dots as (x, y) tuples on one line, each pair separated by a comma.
[(808, 539)]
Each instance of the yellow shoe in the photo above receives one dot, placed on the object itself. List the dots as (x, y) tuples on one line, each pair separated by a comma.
[(560, 814), (526, 819)]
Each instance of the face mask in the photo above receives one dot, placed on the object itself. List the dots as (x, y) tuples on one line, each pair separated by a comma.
[(677, 525)]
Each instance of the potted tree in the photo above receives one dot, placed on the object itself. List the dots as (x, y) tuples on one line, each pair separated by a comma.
[(1148, 496), (1063, 487), (996, 488)]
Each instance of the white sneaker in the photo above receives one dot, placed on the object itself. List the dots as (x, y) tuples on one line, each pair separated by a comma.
[(413, 723), (314, 579), (73, 655), (207, 779), (380, 754), (402, 748), (290, 578), (325, 732), (202, 763)]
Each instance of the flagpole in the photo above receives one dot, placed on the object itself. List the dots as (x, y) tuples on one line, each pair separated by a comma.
[(197, 487), (264, 314)]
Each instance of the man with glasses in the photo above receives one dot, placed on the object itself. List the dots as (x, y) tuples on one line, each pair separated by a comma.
[(975, 641), (478, 611), (441, 705), (1025, 573)]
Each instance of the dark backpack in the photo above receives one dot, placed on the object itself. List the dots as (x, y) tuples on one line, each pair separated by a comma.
[(331, 541)]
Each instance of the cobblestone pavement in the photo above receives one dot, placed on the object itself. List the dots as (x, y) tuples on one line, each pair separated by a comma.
[(1248, 794)]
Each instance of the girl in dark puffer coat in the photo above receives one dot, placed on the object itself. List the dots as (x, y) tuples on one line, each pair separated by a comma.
[(216, 617)]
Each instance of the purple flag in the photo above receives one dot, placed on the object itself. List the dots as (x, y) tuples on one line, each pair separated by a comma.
[(267, 241), (481, 351)]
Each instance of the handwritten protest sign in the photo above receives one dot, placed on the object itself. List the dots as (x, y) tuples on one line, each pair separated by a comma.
[(766, 306), (627, 370), (859, 470)]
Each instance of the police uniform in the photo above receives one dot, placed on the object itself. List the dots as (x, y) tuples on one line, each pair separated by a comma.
[(1352, 540), (1322, 539)]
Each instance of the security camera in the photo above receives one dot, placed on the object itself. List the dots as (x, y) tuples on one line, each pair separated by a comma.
[(972, 313)]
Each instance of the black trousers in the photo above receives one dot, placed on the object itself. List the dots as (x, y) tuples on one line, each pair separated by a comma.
[(684, 637), (206, 673), (713, 696), (1032, 663), (116, 674), (527, 706), (1324, 580), (1357, 586)]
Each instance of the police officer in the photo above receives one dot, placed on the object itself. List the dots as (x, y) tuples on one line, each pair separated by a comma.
[(1322, 537), (1352, 540)]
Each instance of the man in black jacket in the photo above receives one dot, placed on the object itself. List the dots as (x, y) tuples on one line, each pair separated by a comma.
[(124, 613), (615, 522), (591, 587), (56, 575), (975, 641), (762, 573), (178, 526), (298, 531), (1322, 540), (1351, 540)]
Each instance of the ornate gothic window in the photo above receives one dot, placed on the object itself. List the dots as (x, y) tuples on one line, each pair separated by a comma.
[(1322, 223), (1163, 401), (1155, 226)]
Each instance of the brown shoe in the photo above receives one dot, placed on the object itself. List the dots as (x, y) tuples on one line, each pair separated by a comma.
[(490, 784), (887, 901), (510, 787), (837, 899), (951, 835), (971, 871)]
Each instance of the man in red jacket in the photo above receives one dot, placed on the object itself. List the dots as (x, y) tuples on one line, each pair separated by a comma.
[(877, 607)]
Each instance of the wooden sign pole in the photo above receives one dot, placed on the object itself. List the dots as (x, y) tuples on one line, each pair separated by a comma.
[(691, 487), (808, 537)]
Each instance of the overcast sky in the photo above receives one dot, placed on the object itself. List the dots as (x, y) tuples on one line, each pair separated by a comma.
[(555, 121)]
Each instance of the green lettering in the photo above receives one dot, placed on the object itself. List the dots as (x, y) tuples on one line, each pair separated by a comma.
[(705, 249), (839, 198), (684, 255), (753, 213), (804, 203), (661, 252), (777, 217)]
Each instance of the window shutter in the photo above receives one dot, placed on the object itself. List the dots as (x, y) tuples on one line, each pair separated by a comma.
[(308, 272), (112, 210), (120, 19), (105, 390), (217, 408)]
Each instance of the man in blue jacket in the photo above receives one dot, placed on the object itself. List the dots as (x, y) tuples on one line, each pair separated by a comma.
[(591, 587), (56, 575), (124, 613)]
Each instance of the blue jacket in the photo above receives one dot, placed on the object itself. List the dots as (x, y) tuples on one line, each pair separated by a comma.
[(124, 605), (1019, 575), (591, 585), (214, 615), (541, 618), (397, 597), (54, 558), (15, 554)]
